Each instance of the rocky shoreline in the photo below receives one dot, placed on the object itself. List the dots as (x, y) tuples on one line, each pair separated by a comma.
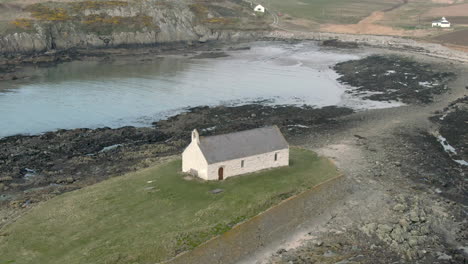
[(409, 198), (407, 45), (13, 65), (34, 168), (393, 78), (18, 66), (408, 203), (453, 124), (64, 160), (66, 156), (404, 183)]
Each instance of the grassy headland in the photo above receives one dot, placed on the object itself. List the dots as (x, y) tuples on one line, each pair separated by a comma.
[(151, 215)]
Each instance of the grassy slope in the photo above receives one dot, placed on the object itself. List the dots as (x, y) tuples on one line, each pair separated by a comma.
[(410, 16), (121, 221), (330, 11)]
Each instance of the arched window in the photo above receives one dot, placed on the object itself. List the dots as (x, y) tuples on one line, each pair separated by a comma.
[(276, 156)]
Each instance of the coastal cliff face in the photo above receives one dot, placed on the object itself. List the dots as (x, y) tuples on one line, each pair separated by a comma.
[(51, 26)]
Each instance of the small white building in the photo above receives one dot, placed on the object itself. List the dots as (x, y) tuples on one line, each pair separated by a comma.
[(222, 156), (259, 8), (443, 23)]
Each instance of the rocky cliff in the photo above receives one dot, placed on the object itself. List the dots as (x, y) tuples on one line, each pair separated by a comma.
[(50, 26)]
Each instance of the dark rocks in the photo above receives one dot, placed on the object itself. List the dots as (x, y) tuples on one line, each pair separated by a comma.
[(393, 78), (348, 247), (79, 157), (281, 251), (453, 121), (222, 119), (69, 180), (6, 179), (248, 48), (408, 235), (399, 207), (210, 55), (59, 157), (335, 43), (426, 160)]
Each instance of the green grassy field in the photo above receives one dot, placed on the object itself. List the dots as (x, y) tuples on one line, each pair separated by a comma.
[(409, 16), (330, 11), (151, 215)]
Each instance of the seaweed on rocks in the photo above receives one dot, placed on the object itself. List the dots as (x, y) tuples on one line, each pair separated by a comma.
[(453, 126), (393, 78), (65, 160), (336, 43)]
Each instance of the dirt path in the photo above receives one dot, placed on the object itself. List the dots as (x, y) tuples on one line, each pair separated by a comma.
[(369, 25), (403, 2), (366, 26), (389, 217)]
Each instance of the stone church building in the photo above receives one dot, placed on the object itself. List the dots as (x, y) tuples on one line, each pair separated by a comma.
[(222, 156)]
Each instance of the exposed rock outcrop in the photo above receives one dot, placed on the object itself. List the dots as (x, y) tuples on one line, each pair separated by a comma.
[(120, 24)]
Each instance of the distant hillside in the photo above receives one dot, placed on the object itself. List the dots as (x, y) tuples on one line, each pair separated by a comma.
[(35, 26)]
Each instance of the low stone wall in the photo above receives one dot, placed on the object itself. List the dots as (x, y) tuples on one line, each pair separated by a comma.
[(269, 226)]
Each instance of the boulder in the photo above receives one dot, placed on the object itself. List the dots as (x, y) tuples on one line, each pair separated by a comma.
[(404, 224), (6, 178), (399, 207), (369, 229), (413, 241), (398, 234), (414, 217)]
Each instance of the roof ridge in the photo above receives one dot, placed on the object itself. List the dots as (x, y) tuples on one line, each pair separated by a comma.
[(237, 132), (244, 143)]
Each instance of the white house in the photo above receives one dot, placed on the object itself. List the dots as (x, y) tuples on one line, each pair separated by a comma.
[(222, 156), (259, 8), (443, 23)]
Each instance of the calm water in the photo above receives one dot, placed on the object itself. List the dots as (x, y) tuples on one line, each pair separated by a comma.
[(96, 94)]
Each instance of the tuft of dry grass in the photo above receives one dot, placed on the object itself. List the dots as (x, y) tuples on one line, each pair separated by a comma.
[(42, 12), (80, 6), (22, 23), (219, 20), (200, 10)]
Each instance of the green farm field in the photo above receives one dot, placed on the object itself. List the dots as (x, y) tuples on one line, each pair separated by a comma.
[(330, 11), (151, 215)]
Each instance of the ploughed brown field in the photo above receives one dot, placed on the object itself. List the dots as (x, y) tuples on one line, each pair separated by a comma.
[(463, 20), (459, 37)]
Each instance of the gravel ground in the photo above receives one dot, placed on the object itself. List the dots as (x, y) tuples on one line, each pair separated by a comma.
[(409, 203)]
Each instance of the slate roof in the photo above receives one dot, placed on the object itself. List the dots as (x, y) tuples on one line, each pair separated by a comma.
[(442, 21), (242, 144)]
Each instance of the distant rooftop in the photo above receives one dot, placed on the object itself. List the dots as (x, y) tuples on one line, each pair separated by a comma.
[(443, 20)]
